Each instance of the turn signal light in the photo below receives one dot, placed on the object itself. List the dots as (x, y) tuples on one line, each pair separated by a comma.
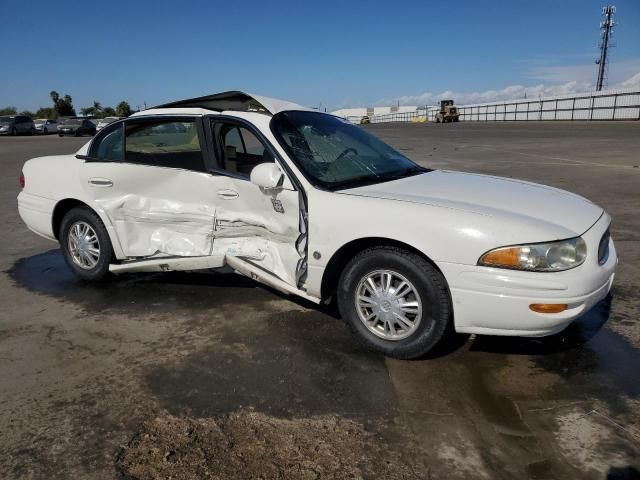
[(507, 257), (548, 307), (21, 180)]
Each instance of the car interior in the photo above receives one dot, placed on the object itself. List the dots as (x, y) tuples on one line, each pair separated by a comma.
[(241, 149)]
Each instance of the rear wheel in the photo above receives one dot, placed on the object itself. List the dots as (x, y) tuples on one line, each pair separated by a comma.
[(14, 132), (395, 301), (85, 244)]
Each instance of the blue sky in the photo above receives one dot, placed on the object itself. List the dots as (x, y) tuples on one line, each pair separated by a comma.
[(328, 53)]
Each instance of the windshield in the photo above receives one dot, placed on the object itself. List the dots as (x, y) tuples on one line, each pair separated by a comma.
[(6, 119), (72, 121), (334, 154)]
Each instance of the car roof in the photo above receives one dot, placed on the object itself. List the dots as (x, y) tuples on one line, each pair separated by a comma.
[(232, 101)]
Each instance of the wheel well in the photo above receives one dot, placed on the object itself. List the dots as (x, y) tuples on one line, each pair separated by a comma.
[(60, 210), (345, 253)]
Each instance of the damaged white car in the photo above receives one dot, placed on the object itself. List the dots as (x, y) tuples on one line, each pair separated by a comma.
[(317, 207)]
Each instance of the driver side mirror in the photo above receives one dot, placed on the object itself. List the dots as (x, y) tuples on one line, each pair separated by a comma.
[(266, 175)]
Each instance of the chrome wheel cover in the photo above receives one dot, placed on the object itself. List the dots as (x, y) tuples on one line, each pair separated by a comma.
[(388, 305), (83, 244)]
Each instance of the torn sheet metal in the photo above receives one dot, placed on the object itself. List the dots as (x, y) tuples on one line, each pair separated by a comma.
[(261, 227), (148, 227)]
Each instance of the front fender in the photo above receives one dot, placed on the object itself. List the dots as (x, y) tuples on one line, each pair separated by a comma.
[(442, 234)]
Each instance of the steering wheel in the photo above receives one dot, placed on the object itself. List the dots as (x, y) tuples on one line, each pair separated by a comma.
[(346, 150)]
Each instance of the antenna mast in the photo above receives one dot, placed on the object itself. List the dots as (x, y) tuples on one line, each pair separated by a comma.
[(606, 26)]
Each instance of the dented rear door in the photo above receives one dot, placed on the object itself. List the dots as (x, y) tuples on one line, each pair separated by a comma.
[(157, 194)]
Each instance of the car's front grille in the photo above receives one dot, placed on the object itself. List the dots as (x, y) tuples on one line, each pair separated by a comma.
[(603, 248)]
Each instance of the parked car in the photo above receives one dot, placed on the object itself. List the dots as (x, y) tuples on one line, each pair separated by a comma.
[(365, 120), (103, 122), (16, 125), (45, 126), (77, 127), (311, 205)]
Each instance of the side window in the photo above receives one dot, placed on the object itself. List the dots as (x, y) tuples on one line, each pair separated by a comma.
[(110, 146), (164, 143), (241, 149)]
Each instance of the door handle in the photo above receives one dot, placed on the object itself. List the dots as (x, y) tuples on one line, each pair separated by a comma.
[(100, 182), (227, 194)]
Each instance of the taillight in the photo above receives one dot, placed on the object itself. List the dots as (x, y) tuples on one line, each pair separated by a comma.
[(21, 180)]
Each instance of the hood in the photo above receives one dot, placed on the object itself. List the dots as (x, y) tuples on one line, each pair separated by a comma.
[(491, 196)]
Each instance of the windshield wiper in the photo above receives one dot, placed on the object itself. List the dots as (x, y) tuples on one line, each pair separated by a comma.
[(407, 172), (355, 182)]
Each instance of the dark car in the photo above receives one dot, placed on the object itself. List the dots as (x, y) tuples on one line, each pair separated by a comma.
[(77, 127), (16, 125)]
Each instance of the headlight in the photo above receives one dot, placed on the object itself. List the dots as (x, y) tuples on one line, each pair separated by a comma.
[(538, 257)]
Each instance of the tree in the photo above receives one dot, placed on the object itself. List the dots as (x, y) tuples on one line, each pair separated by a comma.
[(63, 106), (8, 111), (27, 113), (46, 112), (86, 111), (109, 112), (123, 109)]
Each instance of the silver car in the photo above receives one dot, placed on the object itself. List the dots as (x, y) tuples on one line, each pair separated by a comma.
[(45, 126), (106, 121), (16, 125)]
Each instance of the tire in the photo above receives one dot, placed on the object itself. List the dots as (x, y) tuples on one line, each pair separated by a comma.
[(32, 131), (45, 131), (14, 132), (81, 265), (429, 321), (60, 135)]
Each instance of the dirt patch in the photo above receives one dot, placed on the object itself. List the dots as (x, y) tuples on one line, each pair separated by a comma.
[(247, 444)]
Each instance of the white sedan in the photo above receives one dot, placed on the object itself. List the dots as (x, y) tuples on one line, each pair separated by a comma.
[(45, 126), (317, 207)]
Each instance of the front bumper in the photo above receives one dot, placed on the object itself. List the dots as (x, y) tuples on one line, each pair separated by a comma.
[(496, 301)]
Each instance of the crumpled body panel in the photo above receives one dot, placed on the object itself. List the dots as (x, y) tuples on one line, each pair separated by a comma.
[(150, 226)]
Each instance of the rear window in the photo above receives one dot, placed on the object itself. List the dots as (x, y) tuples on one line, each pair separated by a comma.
[(164, 143)]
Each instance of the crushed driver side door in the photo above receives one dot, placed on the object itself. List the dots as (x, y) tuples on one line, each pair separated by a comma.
[(265, 228)]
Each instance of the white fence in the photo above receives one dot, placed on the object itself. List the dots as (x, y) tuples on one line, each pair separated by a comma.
[(605, 105)]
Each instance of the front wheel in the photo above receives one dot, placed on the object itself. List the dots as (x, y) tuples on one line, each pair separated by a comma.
[(395, 301), (85, 244)]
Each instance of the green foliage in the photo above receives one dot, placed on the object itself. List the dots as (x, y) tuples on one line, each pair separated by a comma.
[(63, 106), (46, 112), (123, 109), (27, 113)]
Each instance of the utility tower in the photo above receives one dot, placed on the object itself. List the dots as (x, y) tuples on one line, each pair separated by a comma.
[(606, 26)]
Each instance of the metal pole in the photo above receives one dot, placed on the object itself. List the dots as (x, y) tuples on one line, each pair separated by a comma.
[(606, 26)]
